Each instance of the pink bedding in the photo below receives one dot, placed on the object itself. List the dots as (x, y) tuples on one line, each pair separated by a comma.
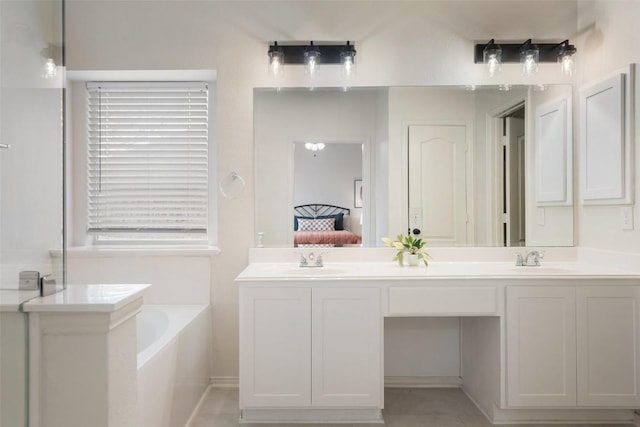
[(338, 237)]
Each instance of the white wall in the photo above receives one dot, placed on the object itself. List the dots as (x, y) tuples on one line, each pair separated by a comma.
[(609, 40), (398, 43)]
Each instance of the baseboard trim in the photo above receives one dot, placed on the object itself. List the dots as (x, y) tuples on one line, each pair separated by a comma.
[(312, 415), (422, 382), (224, 382), (195, 411)]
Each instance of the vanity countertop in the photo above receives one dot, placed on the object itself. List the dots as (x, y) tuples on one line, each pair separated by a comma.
[(280, 271), (88, 298)]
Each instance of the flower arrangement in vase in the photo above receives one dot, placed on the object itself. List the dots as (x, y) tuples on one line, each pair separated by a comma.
[(413, 247)]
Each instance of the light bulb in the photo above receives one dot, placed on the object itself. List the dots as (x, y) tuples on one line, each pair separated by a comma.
[(529, 66), (276, 67), (493, 65), (492, 57), (347, 66), (312, 66), (276, 61), (529, 58), (566, 65), (311, 59), (49, 70)]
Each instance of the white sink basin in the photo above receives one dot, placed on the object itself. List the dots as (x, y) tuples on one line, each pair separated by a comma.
[(541, 270)]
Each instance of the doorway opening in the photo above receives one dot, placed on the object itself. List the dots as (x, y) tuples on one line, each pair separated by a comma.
[(512, 149)]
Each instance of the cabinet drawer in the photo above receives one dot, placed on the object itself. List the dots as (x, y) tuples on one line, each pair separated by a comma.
[(438, 301)]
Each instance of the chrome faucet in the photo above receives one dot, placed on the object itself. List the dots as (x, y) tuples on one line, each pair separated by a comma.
[(535, 257), (311, 260)]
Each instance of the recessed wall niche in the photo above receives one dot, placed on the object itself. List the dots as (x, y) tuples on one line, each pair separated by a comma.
[(606, 151)]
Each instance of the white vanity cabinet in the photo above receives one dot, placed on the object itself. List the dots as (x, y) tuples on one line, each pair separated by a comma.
[(608, 345), (275, 347), (310, 347), (569, 346)]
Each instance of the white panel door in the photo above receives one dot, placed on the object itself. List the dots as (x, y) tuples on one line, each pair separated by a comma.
[(347, 347), (438, 183), (608, 325), (541, 346), (275, 347)]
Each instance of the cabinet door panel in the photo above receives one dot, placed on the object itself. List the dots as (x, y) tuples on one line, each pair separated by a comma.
[(541, 346), (275, 347), (608, 322), (347, 346)]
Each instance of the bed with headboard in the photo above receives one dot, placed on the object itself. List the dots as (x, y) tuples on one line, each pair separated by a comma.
[(323, 225)]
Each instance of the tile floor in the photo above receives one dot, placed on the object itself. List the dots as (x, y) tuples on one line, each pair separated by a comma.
[(447, 407)]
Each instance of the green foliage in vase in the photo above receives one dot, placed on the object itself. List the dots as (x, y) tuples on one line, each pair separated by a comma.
[(408, 244)]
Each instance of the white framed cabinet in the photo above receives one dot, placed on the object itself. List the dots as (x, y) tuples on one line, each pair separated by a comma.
[(572, 346), (541, 346), (310, 347), (608, 320), (275, 347)]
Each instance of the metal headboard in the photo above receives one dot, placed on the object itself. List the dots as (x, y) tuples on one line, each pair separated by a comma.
[(314, 210)]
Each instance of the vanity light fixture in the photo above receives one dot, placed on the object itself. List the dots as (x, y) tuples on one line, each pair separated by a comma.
[(492, 57), (276, 61), (565, 57), (528, 55), (529, 58), (347, 59), (311, 60), (52, 57), (313, 55)]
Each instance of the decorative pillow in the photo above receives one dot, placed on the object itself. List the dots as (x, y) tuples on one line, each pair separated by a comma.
[(325, 224), (338, 217)]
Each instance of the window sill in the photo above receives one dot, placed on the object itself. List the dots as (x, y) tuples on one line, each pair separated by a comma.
[(141, 251)]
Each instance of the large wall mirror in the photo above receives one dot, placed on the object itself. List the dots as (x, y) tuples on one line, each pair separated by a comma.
[(458, 166)]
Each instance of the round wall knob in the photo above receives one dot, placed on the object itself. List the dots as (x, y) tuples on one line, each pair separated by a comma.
[(416, 231)]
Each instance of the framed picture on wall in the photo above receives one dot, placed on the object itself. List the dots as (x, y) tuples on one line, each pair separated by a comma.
[(357, 193)]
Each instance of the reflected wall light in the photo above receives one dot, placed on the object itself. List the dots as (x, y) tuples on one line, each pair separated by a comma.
[(527, 54), (313, 56), (314, 146), (52, 58)]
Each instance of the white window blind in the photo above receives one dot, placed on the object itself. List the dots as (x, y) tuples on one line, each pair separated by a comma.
[(147, 160)]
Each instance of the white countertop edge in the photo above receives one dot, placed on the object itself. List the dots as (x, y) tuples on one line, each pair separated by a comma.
[(87, 298), (354, 271)]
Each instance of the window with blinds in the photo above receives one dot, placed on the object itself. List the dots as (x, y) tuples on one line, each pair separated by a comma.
[(147, 161)]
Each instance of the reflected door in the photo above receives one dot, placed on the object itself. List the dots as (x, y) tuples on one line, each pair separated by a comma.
[(438, 189)]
